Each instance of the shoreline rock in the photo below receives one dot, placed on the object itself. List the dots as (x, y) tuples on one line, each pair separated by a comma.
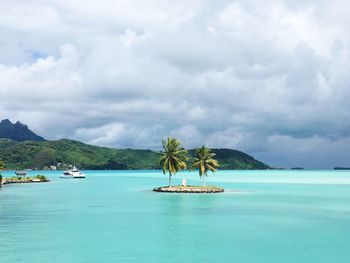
[(189, 189)]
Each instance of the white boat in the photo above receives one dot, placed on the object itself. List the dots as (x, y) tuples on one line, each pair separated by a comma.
[(66, 174), (72, 173), (76, 173)]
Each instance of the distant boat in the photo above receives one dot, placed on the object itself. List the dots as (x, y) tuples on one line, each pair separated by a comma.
[(72, 173), (76, 173)]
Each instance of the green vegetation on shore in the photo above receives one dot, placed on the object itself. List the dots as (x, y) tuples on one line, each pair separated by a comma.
[(39, 155)]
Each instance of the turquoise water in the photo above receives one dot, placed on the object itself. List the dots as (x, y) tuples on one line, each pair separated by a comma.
[(112, 216)]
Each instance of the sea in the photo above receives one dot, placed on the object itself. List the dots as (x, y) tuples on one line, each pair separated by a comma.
[(297, 216)]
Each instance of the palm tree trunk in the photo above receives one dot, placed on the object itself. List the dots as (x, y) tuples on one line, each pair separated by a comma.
[(169, 179), (203, 182)]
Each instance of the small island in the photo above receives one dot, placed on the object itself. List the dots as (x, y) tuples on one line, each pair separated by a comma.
[(189, 189), (21, 177), (174, 159), (17, 180)]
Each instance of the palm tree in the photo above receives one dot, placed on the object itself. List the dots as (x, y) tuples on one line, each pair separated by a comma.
[(204, 161), (173, 157)]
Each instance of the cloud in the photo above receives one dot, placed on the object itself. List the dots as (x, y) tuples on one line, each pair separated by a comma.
[(267, 78)]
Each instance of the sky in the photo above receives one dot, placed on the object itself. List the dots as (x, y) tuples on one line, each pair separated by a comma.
[(270, 78)]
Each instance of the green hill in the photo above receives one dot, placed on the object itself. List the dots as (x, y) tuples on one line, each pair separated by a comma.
[(42, 154), (232, 159)]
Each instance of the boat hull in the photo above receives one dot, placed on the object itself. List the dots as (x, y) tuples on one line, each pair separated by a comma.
[(66, 176)]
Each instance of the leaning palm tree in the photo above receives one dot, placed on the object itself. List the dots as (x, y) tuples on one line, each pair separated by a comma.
[(204, 161), (173, 157)]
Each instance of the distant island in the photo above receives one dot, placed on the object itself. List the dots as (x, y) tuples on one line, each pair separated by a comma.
[(341, 168), (25, 180), (20, 148)]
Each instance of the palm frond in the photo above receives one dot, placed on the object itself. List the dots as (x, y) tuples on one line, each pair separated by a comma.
[(173, 157), (204, 161)]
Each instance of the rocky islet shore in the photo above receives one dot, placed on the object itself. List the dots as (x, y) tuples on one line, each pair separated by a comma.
[(189, 189)]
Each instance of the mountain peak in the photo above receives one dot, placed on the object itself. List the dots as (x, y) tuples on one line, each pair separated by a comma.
[(17, 132), (6, 121)]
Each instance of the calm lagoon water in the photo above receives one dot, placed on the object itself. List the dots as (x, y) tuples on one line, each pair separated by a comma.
[(112, 216)]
